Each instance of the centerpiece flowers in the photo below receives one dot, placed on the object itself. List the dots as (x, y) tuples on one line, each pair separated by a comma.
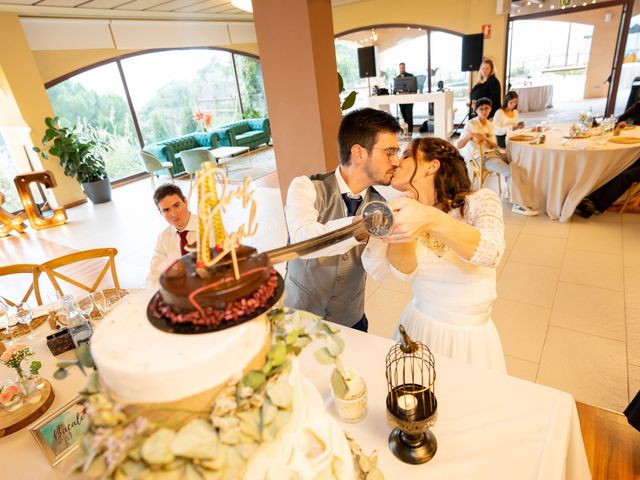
[(29, 380), (203, 118)]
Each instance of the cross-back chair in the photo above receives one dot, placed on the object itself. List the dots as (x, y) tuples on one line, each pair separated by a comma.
[(83, 271), (479, 172), (631, 191), (22, 268)]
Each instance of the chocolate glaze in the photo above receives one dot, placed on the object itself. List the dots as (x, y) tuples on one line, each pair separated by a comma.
[(181, 278)]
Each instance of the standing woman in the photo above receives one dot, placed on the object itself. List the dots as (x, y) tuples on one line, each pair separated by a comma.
[(506, 118), (488, 86)]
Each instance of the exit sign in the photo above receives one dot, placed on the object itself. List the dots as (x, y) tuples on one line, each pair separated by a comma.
[(565, 3)]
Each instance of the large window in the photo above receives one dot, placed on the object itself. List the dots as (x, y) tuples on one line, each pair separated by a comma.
[(7, 174), (165, 89), (446, 60), (96, 98)]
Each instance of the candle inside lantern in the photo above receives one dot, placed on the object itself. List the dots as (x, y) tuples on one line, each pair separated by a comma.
[(353, 407), (408, 404)]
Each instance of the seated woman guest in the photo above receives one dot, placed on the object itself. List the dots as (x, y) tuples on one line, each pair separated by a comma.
[(487, 86), (450, 241), (478, 138), (506, 118)]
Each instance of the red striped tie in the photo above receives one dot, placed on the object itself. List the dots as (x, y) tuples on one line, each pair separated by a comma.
[(183, 241)]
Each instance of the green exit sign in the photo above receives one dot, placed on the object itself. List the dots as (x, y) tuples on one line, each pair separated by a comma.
[(565, 3)]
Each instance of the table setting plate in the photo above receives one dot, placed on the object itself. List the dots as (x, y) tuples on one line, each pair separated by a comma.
[(522, 138), (624, 140)]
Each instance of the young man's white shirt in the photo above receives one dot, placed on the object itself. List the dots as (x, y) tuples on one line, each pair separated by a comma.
[(167, 249), (475, 126)]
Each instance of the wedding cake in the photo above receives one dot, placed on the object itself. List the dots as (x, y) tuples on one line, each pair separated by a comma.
[(149, 369)]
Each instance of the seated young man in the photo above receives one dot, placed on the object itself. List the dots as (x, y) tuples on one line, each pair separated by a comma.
[(478, 132)]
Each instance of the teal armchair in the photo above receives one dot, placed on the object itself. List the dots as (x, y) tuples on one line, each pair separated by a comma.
[(245, 133), (169, 150)]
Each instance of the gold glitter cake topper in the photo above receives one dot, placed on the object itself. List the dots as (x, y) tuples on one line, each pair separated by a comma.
[(210, 209)]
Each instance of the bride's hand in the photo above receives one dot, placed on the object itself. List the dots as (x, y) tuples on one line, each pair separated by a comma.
[(410, 217)]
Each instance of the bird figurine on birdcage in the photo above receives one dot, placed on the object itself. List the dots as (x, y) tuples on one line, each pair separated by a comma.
[(411, 400)]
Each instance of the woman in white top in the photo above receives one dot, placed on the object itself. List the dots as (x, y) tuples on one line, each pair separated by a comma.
[(506, 118), (449, 242)]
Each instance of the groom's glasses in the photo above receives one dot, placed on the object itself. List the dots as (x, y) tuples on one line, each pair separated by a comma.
[(391, 151)]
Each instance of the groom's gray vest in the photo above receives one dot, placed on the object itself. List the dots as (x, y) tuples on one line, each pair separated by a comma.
[(332, 287)]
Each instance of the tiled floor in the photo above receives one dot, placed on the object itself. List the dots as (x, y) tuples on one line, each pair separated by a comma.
[(568, 308)]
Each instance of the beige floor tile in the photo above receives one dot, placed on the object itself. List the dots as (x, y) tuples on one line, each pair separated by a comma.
[(391, 282), (634, 381), (605, 237), (630, 218), (516, 367), (631, 244), (607, 217), (593, 369), (503, 261), (592, 310), (632, 286), (533, 284), (383, 310), (511, 235), (539, 250), (633, 336), (542, 225), (593, 269), (522, 328), (370, 287)]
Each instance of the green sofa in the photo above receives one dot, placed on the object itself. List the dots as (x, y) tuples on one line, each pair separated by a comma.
[(245, 133), (166, 150)]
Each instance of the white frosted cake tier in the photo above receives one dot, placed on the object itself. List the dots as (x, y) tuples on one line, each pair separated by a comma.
[(141, 364)]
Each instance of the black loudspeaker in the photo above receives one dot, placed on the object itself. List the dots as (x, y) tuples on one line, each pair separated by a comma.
[(367, 61), (472, 52)]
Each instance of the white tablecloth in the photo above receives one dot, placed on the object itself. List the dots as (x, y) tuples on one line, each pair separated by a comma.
[(490, 426), (554, 177), (534, 98)]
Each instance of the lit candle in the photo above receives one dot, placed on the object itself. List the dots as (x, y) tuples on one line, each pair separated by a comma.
[(408, 404)]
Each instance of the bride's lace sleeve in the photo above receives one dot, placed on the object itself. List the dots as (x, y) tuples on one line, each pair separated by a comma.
[(484, 211), (374, 259), (376, 263)]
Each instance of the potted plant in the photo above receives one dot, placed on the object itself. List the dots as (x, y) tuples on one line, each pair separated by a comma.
[(81, 152)]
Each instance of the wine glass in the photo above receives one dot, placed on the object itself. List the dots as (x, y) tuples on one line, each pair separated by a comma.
[(85, 304), (24, 315), (6, 324), (99, 301)]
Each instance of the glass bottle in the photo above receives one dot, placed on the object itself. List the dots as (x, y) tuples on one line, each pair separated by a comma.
[(79, 328)]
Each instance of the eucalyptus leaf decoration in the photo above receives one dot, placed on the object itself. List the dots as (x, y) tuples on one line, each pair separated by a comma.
[(80, 150)]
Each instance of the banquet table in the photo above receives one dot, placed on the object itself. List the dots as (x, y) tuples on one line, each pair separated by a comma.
[(556, 175), (489, 425), (534, 98)]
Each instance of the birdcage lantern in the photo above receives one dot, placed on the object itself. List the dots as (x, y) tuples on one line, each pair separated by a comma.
[(411, 401)]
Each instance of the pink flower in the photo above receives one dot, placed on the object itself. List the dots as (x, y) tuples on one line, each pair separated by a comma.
[(8, 393), (6, 356)]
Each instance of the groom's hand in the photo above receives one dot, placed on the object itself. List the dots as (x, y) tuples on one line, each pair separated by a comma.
[(361, 234)]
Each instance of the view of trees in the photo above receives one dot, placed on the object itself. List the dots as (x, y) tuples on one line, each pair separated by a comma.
[(164, 105)]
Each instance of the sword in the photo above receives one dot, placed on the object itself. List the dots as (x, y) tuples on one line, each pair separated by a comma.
[(377, 219)]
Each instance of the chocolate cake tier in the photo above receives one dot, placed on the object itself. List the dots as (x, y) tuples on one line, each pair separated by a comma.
[(217, 284)]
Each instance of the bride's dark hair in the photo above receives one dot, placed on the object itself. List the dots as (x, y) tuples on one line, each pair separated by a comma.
[(451, 180)]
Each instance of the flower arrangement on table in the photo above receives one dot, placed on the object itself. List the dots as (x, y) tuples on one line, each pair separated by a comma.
[(217, 443), (15, 355), (203, 118)]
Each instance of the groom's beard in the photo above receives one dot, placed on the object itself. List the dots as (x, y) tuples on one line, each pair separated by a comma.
[(378, 178)]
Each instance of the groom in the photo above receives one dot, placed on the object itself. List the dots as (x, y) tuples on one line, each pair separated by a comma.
[(331, 282)]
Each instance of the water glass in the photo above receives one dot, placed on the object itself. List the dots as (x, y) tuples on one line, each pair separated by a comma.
[(24, 315), (85, 304), (99, 301)]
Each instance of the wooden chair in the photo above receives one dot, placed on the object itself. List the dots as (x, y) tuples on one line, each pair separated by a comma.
[(22, 268), (631, 191), (479, 172), (84, 271)]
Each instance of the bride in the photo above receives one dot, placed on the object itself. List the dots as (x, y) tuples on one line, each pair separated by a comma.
[(447, 242)]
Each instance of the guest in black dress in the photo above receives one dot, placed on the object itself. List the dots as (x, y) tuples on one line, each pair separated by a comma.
[(487, 86)]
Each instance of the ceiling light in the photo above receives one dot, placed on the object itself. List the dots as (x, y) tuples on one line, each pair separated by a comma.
[(243, 5), (552, 7)]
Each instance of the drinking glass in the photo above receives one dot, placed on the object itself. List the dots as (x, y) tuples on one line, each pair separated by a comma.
[(11, 397), (85, 304), (7, 326), (25, 315), (99, 301)]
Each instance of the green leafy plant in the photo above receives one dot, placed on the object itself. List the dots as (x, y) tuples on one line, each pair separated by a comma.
[(80, 150), (350, 99)]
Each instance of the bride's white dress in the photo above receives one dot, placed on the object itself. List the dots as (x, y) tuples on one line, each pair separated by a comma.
[(451, 307)]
